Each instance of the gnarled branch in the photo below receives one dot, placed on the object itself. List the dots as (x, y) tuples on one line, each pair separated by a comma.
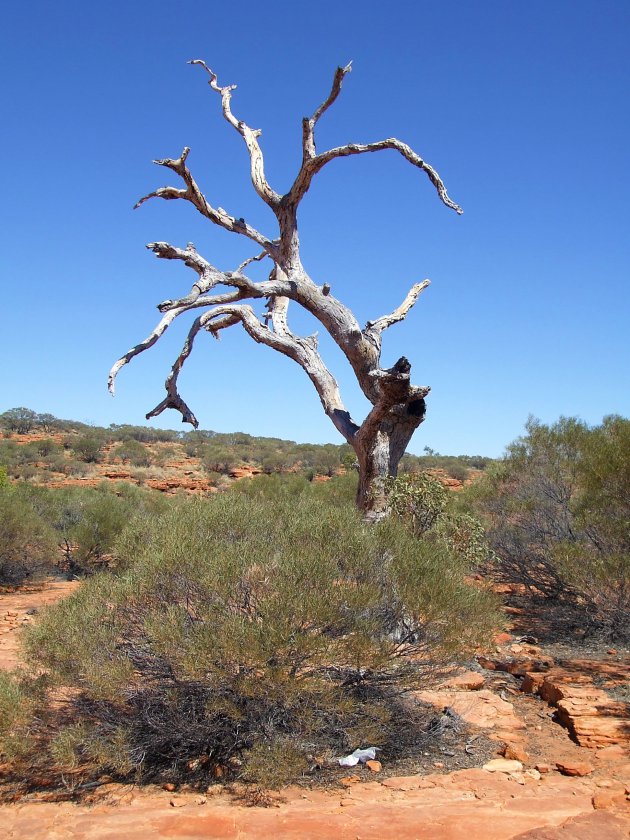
[(312, 166), (249, 135), (193, 194), (301, 350)]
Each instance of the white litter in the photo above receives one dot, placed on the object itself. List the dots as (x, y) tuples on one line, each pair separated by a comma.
[(368, 754)]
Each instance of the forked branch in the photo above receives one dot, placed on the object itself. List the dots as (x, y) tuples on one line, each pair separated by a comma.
[(193, 194), (301, 350), (249, 135), (309, 123)]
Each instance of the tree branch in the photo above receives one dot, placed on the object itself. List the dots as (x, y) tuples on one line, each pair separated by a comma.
[(193, 194), (249, 135), (300, 350), (174, 311), (149, 341), (373, 329), (312, 166), (309, 123)]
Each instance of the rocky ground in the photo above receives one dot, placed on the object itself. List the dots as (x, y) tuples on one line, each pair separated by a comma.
[(548, 728)]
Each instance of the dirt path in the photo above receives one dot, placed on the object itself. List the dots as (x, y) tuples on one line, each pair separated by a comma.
[(461, 805), (20, 607)]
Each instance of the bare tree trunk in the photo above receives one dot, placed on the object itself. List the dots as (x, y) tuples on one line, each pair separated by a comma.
[(379, 454)]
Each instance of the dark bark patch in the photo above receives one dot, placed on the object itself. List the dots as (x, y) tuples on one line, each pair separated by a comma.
[(417, 408)]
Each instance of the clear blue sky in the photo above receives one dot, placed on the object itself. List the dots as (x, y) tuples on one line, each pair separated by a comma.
[(521, 107)]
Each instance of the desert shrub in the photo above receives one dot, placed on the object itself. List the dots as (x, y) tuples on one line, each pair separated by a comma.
[(142, 434), (418, 498), (88, 448), (47, 447), (458, 471), (19, 459), (17, 706), (86, 522), (270, 487), (240, 630), (558, 512), (132, 452), (27, 542), (71, 467), (431, 511), (214, 458)]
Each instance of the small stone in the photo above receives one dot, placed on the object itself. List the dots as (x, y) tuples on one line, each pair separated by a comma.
[(348, 781), (169, 786), (519, 778), (438, 764), (612, 651), (374, 766), (542, 767), (345, 802), (468, 681), (533, 774), (503, 765), (574, 768), (177, 803), (515, 752)]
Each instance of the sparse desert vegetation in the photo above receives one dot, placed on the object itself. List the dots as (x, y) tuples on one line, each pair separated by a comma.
[(256, 633)]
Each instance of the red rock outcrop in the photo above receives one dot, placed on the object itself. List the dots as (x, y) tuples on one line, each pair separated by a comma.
[(593, 718)]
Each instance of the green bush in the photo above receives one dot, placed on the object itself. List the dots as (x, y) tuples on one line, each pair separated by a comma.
[(27, 541), (88, 448), (240, 629), (558, 514), (132, 452), (89, 521)]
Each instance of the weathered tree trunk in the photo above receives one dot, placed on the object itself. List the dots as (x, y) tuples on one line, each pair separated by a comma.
[(398, 407), (379, 455)]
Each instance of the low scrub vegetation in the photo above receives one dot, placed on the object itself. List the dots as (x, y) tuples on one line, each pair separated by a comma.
[(64, 530), (242, 636), (214, 453), (557, 511)]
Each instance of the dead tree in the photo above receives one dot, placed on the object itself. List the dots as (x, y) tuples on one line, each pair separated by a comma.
[(398, 406)]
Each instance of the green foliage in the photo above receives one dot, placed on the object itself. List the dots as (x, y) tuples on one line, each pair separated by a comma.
[(558, 511), (132, 452), (17, 706), (430, 511), (20, 420), (87, 447), (27, 541), (142, 434), (418, 498), (89, 521), (263, 623), (457, 466)]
